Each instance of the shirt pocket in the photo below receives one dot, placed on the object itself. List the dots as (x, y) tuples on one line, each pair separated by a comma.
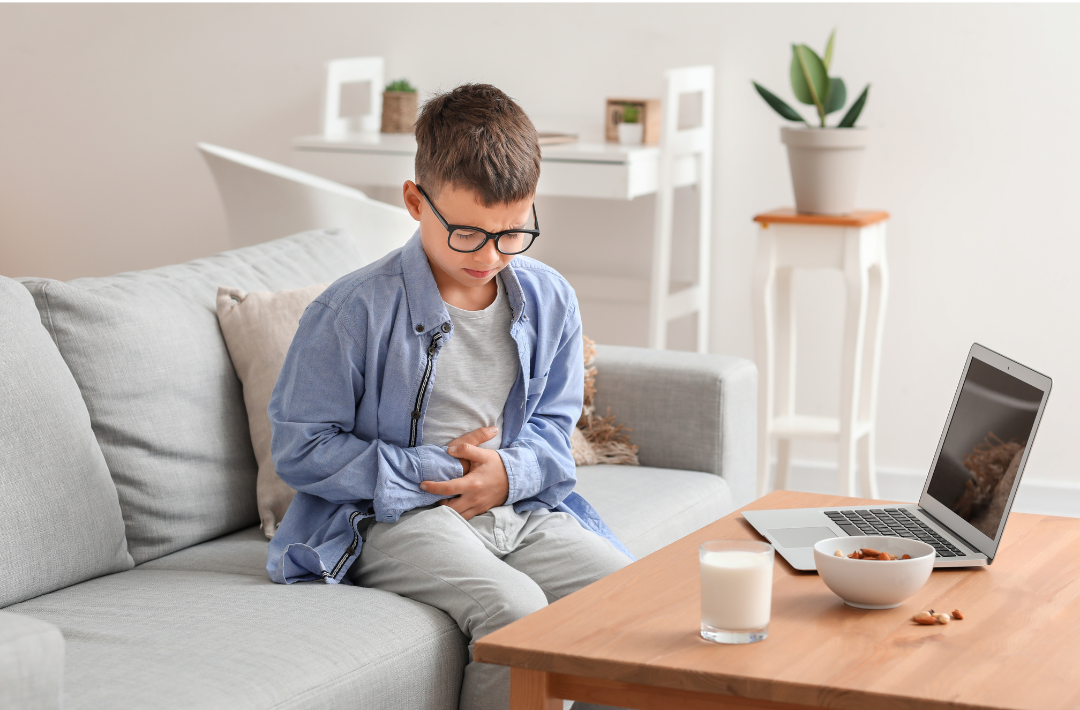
[(536, 388)]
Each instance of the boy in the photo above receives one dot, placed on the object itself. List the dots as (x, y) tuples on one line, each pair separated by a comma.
[(425, 407)]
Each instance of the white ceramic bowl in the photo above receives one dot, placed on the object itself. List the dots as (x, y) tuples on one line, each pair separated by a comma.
[(874, 584)]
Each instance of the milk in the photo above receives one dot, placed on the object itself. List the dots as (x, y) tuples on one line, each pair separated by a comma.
[(736, 589)]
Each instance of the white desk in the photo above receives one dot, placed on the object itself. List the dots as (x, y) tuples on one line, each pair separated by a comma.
[(586, 169)]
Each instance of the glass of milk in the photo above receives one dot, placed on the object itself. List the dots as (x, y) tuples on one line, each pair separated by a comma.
[(736, 590)]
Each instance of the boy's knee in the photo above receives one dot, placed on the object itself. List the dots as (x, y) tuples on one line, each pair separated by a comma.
[(516, 603)]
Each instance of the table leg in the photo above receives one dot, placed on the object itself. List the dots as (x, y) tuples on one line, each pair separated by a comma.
[(851, 370), (875, 327), (785, 368), (531, 690), (762, 297)]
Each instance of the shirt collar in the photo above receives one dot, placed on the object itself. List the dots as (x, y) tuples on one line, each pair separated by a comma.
[(425, 304), (426, 308)]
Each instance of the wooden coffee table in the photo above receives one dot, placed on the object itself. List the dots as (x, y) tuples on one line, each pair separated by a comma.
[(632, 639)]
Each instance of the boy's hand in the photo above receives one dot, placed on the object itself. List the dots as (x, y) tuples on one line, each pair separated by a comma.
[(474, 437), (485, 487)]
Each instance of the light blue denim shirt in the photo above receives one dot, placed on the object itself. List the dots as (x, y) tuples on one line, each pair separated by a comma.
[(348, 408)]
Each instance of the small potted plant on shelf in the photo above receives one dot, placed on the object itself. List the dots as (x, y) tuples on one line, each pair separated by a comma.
[(399, 107), (825, 161), (631, 130)]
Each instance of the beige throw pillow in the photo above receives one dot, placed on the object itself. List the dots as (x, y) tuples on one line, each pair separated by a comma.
[(258, 329)]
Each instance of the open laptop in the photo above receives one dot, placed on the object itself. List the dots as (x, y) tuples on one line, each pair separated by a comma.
[(973, 479)]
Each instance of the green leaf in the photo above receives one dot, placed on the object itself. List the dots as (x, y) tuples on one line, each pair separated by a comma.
[(401, 85), (837, 95), (809, 80), (778, 104), (852, 115), (799, 87), (828, 50)]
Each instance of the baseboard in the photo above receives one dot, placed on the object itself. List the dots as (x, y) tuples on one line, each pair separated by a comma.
[(1035, 496)]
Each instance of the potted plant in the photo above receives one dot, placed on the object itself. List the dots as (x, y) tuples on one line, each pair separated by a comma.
[(825, 161), (631, 130), (399, 107)]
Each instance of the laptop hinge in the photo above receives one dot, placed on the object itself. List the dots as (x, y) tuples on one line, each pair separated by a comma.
[(968, 545)]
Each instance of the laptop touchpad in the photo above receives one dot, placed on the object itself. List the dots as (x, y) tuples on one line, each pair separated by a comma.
[(801, 537)]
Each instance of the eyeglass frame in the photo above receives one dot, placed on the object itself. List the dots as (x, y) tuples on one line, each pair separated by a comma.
[(451, 228)]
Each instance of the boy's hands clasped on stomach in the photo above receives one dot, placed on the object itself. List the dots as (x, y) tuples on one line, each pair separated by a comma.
[(484, 484), (474, 437)]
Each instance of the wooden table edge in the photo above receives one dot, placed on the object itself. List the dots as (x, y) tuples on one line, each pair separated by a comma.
[(788, 215), (533, 687), (540, 690)]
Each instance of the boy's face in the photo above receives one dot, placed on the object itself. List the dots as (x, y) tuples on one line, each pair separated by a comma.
[(461, 206)]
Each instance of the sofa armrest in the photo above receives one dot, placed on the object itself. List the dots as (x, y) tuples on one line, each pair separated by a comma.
[(687, 411), (31, 663)]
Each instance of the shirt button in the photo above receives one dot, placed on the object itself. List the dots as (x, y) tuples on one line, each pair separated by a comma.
[(419, 329), (416, 415), (446, 327)]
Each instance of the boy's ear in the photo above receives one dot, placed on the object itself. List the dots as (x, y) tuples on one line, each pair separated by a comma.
[(413, 198)]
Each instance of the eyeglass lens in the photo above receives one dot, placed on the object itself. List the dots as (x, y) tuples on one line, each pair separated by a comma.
[(508, 243)]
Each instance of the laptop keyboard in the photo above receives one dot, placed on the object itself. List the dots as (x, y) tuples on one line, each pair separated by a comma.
[(893, 522)]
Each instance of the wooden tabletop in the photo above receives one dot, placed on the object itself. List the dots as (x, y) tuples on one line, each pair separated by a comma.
[(1017, 647), (788, 215)]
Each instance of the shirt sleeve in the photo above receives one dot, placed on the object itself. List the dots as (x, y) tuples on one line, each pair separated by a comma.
[(539, 465), (313, 413)]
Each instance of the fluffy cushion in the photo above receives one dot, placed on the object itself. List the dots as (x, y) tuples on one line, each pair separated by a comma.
[(599, 439), (258, 328), (164, 400), (60, 521)]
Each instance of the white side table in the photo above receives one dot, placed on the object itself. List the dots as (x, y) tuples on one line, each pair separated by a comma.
[(855, 244)]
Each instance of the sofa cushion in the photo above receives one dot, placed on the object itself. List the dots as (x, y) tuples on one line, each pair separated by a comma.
[(164, 400), (60, 521), (241, 552), (204, 627), (152, 638), (648, 508)]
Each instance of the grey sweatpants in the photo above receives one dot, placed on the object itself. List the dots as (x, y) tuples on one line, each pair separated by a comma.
[(485, 573)]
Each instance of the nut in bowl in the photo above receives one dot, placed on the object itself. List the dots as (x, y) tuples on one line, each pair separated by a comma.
[(874, 583)]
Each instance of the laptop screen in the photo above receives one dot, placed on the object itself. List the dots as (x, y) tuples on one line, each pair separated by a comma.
[(991, 425)]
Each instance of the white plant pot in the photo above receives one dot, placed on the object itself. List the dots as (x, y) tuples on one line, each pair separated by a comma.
[(631, 133), (825, 166)]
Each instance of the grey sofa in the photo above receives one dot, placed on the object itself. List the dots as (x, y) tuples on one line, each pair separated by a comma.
[(132, 572)]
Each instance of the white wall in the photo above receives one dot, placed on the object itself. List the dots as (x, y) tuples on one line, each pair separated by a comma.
[(974, 110)]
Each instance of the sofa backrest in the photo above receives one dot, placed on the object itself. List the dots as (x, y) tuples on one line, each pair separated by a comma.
[(163, 398), (60, 521)]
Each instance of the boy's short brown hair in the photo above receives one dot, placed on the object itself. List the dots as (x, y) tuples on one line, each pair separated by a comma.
[(475, 137)]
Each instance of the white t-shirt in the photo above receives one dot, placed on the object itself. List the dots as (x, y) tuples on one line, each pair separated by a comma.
[(473, 374)]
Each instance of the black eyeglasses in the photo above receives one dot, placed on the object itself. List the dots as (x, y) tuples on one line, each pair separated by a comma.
[(467, 239)]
